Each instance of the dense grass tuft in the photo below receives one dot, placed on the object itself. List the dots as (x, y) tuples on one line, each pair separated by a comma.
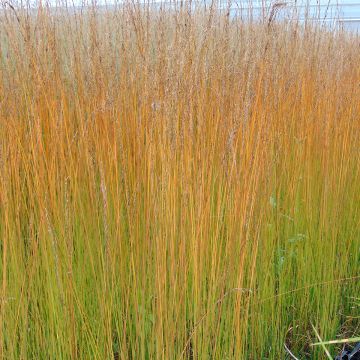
[(176, 184)]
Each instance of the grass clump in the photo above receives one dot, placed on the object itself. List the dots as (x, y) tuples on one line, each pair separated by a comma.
[(175, 183)]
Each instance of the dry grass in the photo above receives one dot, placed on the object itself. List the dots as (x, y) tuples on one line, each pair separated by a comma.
[(175, 184)]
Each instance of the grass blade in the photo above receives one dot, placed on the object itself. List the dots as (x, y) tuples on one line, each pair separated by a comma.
[(322, 343)]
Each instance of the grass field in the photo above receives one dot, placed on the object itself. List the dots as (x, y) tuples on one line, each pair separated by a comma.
[(176, 184)]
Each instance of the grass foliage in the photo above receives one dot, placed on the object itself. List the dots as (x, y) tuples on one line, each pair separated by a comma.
[(176, 184)]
